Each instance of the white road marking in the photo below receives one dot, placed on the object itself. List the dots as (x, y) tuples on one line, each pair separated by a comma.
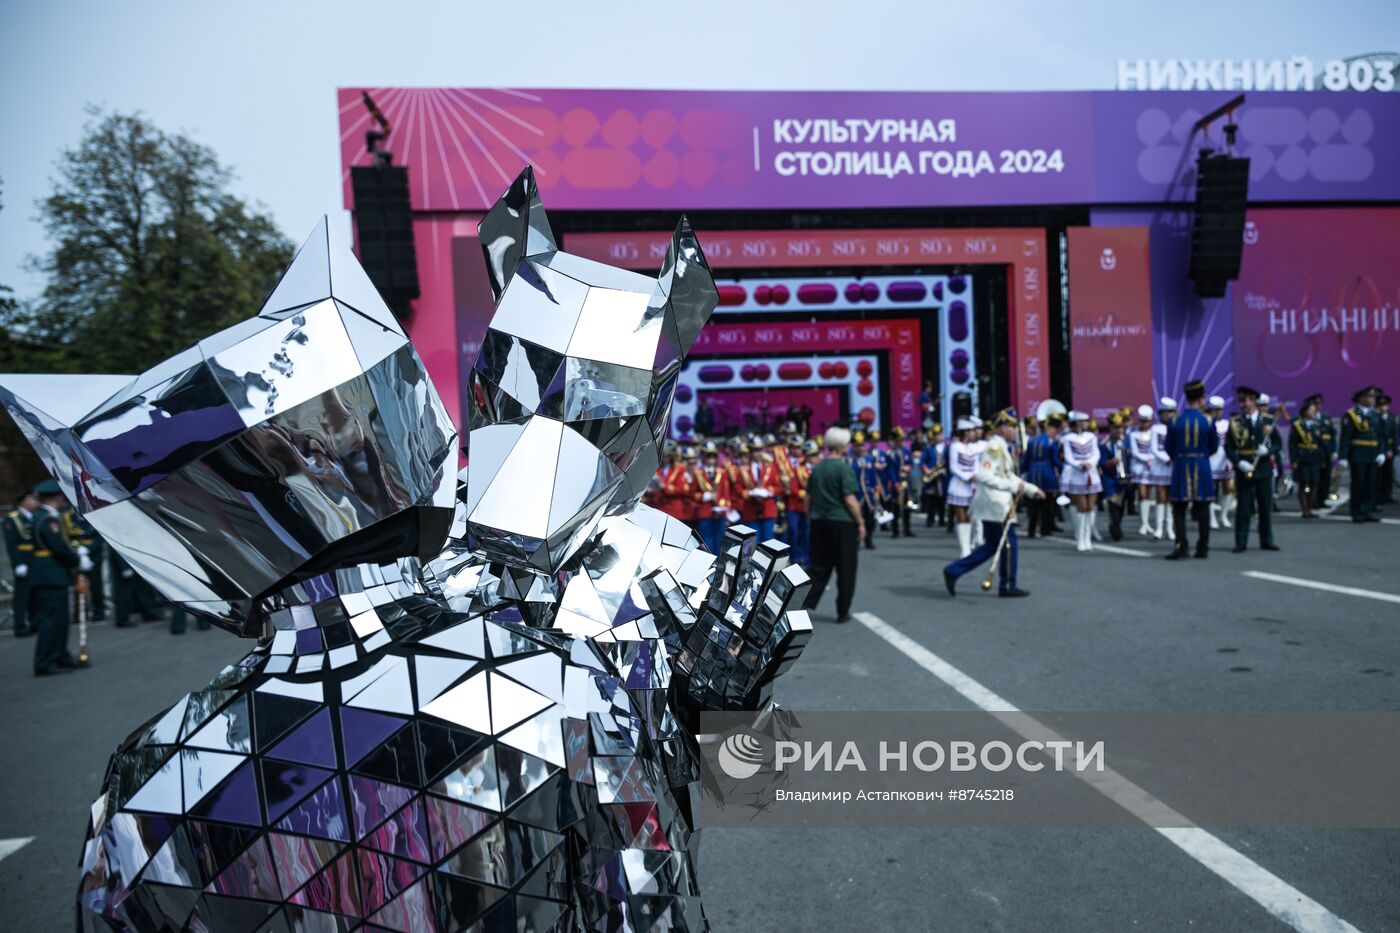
[(1271, 892), (9, 847), (1108, 548), (1334, 517), (1319, 585)]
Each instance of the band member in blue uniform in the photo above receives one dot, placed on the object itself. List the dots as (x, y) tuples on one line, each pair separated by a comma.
[(933, 464), (1042, 467), (1253, 447), (897, 476), (1113, 469), (1191, 439), (997, 482), (870, 469)]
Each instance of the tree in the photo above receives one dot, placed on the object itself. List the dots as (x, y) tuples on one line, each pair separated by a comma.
[(151, 253)]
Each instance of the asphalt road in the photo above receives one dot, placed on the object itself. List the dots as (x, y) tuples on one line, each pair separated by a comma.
[(1102, 631)]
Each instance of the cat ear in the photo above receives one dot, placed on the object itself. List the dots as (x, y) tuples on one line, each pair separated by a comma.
[(688, 285), (514, 229)]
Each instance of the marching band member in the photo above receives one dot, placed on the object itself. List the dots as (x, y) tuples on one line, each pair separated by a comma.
[(1191, 440), (996, 483), (764, 490), (1363, 448), (797, 496), (1310, 457), (712, 485), (1160, 476), (870, 476), (1042, 467), (1113, 456), (980, 439), (1079, 477), (678, 487), (1221, 473), (901, 468), (1253, 448), (962, 470), (933, 464), (1140, 467)]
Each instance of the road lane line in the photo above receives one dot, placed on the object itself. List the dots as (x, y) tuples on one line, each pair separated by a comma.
[(1319, 585), (1109, 548), (9, 847), (1269, 891)]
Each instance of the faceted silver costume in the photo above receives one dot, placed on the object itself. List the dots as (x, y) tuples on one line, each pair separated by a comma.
[(495, 732)]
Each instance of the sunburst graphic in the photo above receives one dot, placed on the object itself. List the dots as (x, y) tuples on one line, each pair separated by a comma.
[(452, 140)]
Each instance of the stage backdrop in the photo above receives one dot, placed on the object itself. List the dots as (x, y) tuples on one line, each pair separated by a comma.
[(745, 150), (1110, 317), (1317, 304)]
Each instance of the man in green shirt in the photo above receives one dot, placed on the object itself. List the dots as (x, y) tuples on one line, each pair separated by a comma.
[(836, 526)]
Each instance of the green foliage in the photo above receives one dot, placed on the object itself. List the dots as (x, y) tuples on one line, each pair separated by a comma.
[(151, 253)]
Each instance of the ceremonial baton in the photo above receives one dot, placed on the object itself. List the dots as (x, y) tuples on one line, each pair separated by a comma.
[(1005, 530), (83, 587)]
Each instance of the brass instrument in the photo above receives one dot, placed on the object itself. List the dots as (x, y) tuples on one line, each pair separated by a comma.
[(1050, 407)]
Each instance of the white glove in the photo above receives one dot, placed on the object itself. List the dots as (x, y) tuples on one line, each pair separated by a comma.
[(1246, 466), (84, 563), (1380, 458), (81, 550), (21, 570), (708, 497)]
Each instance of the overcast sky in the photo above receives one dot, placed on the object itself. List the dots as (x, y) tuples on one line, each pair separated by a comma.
[(256, 79)]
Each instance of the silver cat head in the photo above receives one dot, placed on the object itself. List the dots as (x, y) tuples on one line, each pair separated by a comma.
[(571, 392), (305, 439)]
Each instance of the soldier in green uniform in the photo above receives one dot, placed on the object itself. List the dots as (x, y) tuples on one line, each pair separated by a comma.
[(1361, 446), (1253, 448), (1327, 431), (50, 579), (1310, 456), (81, 534), (1390, 434), (19, 544)]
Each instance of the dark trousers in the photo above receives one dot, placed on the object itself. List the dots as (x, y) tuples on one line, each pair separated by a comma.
[(991, 533), (712, 533), (868, 513), (1115, 516), (1040, 515), (834, 546), (19, 605), (1385, 482), (97, 592), (179, 619), (1254, 495), (1200, 511), (131, 594), (1363, 484), (48, 608), (797, 535), (933, 506)]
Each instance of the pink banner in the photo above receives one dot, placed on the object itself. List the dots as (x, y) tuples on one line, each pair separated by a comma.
[(1110, 317), (1317, 304)]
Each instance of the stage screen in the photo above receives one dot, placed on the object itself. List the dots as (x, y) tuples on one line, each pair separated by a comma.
[(1317, 304)]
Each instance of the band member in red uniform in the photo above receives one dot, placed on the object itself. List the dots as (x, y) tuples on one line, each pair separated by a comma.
[(678, 487), (763, 488), (711, 490)]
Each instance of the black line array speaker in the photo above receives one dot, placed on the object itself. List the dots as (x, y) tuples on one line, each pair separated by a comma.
[(1217, 233), (384, 232)]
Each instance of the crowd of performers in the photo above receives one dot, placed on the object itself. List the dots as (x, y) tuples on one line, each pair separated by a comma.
[(1121, 469)]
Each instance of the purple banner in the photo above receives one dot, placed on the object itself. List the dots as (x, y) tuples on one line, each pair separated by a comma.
[(691, 150)]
